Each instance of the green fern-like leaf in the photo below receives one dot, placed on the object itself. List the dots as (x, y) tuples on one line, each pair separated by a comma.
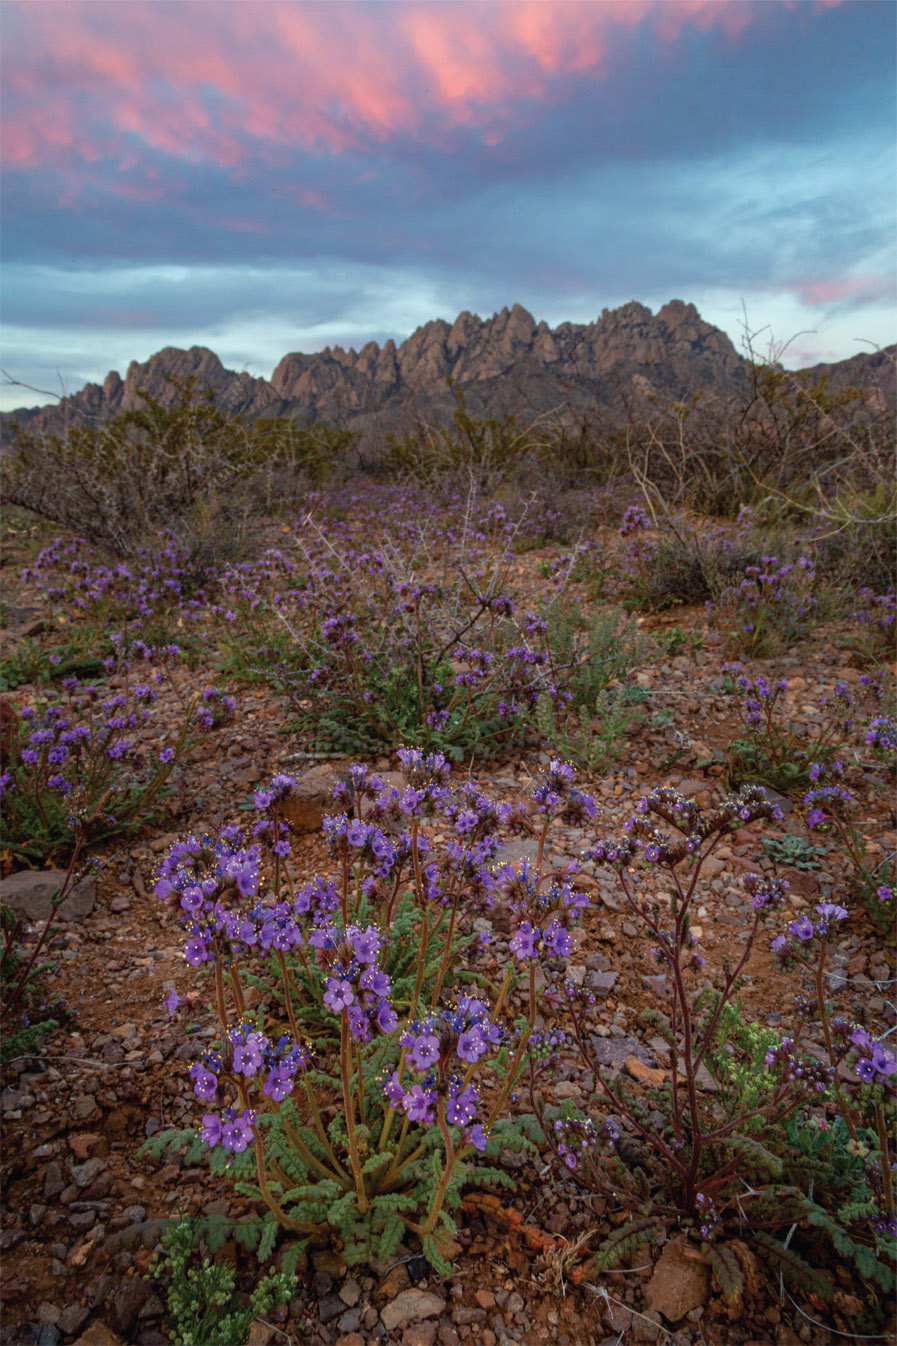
[(856, 1211), (868, 1265), (872, 1268), (434, 1256), (622, 1241), (393, 1201), (248, 1234), (268, 1237), (376, 1162), (726, 1269), (216, 1230), (391, 1237), (486, 1174), (290, 1261), (516, 1134), (795, 1270), (761, 1158), (179, 1140)]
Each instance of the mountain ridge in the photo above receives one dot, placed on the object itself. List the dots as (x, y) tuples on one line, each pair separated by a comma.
[(508, 362)]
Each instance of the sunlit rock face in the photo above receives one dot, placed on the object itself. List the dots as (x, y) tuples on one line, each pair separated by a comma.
[(508, 362)]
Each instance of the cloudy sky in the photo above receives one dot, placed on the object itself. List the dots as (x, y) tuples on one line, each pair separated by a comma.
[(265, 176)]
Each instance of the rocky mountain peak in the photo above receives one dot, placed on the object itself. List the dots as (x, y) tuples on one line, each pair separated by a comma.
[(507, 362)]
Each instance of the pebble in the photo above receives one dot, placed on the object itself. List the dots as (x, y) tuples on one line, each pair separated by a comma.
[(410, 1306), (330, 1306)]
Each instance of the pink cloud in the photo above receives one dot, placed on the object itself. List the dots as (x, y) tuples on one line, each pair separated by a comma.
[(224, 81), (862, 289)]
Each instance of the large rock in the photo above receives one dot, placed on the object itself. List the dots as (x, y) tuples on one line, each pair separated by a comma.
[(680, 1282), (29, 894), (310, 800)]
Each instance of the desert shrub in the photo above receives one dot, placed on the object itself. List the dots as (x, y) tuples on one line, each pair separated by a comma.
[(876, 617), (81, 654), (290, 458), (178, 467), (92, 604), (597, 737), (777, 751), (788, 439), (688, 567), (480, 452), (857, 538)]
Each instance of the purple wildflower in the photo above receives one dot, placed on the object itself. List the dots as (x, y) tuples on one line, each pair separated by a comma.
[(339, 994)]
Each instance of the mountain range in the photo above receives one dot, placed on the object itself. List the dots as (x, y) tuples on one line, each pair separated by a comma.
[(505, 363)]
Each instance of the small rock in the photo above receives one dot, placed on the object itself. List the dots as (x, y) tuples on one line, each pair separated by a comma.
[(330, 1307), (129, 1301), (647, 1326), (53, 1182), (152, 1308), (98, 1334), (466, 1314), (680, 1282), (420, 1334), (86, 1144), (260, 1334), (656, 984), (84, 1174), (645, 1074), (72, 1319), (396, 1279), (321, 1284), (350, 1292), (410, 1307), (614, 1051), (514, 852)]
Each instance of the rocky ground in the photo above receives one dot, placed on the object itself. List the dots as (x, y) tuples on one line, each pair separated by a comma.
[(83, 1212)]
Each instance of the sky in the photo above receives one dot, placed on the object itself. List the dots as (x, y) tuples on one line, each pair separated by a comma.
[(267, 176)]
